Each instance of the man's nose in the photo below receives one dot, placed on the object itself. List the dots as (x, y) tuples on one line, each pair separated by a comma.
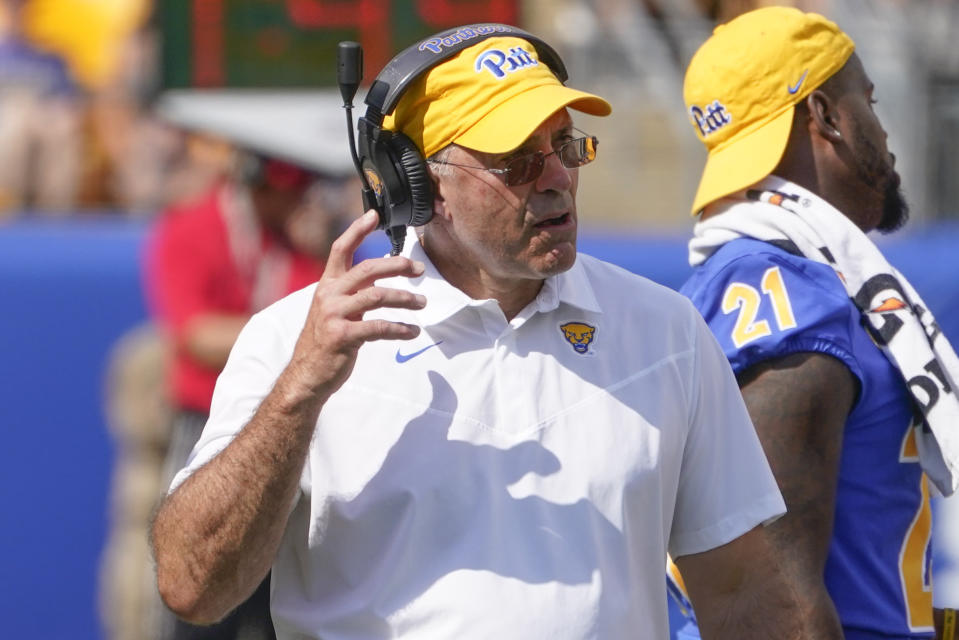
[(555, 176)]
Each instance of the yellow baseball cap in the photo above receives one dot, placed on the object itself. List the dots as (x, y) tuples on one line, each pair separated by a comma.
[(742, 86), (489, 97)]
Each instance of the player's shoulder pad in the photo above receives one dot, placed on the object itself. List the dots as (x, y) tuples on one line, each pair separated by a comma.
[(762, 301)]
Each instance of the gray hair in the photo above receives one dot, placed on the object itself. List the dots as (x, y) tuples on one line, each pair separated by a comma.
[(436, 161)]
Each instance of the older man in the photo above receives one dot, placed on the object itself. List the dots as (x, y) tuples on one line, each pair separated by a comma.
[(487, 435)]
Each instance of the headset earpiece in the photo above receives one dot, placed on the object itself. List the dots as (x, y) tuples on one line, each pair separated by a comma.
[(395, 171), (420, 185)]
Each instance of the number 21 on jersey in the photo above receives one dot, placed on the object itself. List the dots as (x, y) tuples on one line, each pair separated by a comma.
[(748, 300)]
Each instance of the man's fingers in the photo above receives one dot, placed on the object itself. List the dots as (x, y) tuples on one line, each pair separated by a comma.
[(371, 330), (369, 271), (344, 247), (381, 297)]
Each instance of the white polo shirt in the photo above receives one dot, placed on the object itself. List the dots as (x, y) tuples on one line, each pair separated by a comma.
[(491, 479)]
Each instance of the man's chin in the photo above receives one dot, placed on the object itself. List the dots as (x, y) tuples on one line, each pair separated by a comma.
[(895, 210), (558, 259)]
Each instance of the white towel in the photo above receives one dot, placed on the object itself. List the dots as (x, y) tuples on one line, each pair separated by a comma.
[(776, 210)]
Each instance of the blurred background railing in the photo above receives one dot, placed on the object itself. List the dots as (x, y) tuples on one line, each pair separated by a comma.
[(111, 111)]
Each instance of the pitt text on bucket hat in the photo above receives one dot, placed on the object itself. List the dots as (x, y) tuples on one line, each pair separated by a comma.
[(742, 86), (489, 97)]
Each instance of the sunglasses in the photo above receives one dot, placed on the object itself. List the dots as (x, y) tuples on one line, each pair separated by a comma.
[(528, 167)]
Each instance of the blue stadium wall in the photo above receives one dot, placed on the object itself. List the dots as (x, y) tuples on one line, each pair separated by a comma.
[(69, 289)]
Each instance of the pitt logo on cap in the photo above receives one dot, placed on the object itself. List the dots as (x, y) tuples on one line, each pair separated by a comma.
[(712, 119), (499, 63), (578, 334)]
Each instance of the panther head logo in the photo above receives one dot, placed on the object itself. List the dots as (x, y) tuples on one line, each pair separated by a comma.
[(376, 184), (578, 334)]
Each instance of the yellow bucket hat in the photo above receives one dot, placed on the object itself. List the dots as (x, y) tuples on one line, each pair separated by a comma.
[(742, 85), (489, 97)]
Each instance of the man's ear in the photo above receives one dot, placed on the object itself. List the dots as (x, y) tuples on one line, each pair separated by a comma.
[(825, 116), (439, 201)]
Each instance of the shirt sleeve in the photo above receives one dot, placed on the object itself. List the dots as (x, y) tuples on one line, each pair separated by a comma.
[(764, 306), (726, 487), (256, 361)]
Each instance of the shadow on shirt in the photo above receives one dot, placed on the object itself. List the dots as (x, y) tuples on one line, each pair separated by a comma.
[(438, 506)]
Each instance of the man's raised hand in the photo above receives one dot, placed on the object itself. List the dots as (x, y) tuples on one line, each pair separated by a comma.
[(335, 329)]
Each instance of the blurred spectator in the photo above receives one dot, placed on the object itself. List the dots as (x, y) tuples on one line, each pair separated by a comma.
[(212, 262), (130, 155), (76, 127), (139, 422), (40, 118)]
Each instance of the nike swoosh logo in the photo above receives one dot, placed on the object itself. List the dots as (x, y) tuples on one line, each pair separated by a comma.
[(401, 358), (798, 84)]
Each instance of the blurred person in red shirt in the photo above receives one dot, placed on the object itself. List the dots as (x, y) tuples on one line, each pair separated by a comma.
[(211, 263)]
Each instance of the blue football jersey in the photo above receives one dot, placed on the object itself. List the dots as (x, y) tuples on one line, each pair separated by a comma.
[(763, 302), (682, 620)]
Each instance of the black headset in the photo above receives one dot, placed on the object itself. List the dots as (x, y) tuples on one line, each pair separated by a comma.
[(393, 170)]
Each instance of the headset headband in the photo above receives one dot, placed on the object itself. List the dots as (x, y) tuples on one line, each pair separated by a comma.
[(392, 81)]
